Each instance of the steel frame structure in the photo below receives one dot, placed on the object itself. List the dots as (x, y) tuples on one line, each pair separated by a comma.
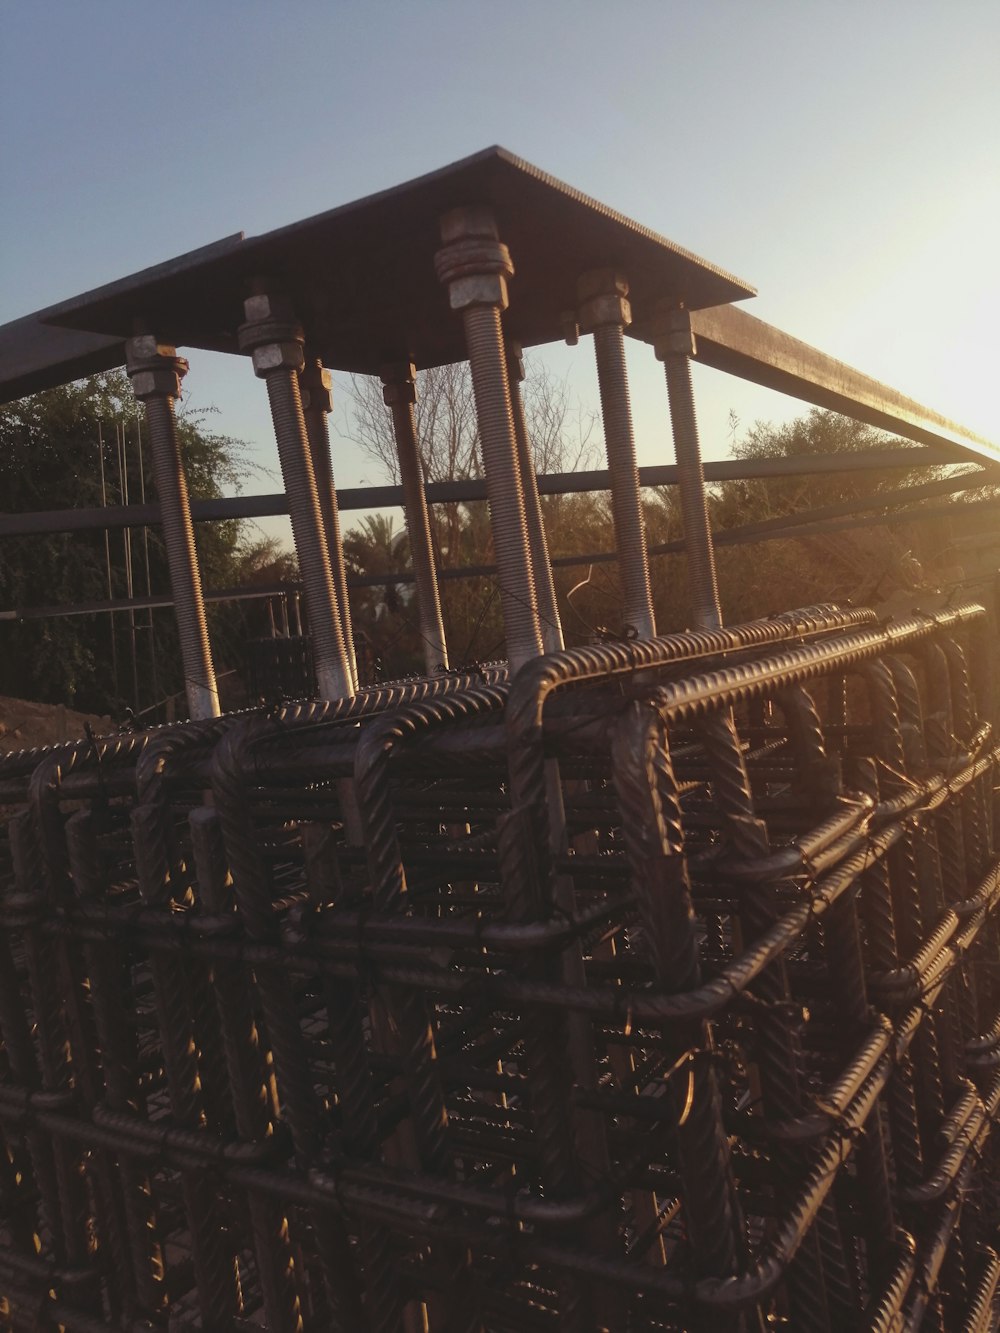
[(647, 985)]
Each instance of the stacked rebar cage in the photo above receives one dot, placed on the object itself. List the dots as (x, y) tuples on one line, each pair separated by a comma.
[(646, 985)]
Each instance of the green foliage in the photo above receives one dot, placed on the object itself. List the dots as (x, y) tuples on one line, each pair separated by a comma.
[(51, 449), (862, 564)]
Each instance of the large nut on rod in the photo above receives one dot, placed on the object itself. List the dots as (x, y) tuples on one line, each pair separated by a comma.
[(154, 368), (316, 384), (515, 362), (672, 333), (398, 383), (271, 334), (602, 296), (473, 262)]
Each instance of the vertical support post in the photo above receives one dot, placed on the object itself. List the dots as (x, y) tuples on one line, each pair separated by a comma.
[(605, 312), (399, 392), (156, 372), (276, 343), (548, 607), (475, 266), (674, 345), (317, 404)]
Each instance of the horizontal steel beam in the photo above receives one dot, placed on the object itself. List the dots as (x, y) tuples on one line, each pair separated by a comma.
[(50, 521), (794, 530), (729, 339)]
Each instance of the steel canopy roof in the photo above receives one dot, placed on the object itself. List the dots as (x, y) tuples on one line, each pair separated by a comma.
[(362, 278)]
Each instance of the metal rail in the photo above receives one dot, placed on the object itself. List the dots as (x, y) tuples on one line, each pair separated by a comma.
[(468, 492)]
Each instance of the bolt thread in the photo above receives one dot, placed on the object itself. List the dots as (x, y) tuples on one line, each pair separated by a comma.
[(319, 447), (505, 493), (626, 504), (698, 547), (548, 606), (418, 528), (333, 670), (182, 559)]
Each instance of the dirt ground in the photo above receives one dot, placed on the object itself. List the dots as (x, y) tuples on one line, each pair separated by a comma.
[(25, 725)]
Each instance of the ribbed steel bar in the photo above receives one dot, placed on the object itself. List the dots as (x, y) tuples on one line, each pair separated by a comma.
[(299, 1100), (247, 1077), (400, 393), (652, 824)]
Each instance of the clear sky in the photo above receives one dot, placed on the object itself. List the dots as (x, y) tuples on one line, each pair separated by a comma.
[(842, 157)]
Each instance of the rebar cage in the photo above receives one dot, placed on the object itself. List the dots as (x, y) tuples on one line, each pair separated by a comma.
[(647, 985)]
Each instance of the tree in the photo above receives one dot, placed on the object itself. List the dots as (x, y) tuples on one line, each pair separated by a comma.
[(863, 565), (448, 439), (52, 446)]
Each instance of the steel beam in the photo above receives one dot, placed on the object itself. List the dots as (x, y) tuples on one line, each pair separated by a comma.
[(794, 528), (731, 340), (47, 521)]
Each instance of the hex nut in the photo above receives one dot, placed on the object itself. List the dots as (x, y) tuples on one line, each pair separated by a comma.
[(156, 383), (269, 357), (249, 336), (515, 362), (399, 391), (266, 307), (672, 334), (600, 311), (601, 282), (461, 223), (316, 384), (478, 289), (677, 343), (475, 270), (144, 347)]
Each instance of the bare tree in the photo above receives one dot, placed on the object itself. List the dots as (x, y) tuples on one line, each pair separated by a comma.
[(447, 434)]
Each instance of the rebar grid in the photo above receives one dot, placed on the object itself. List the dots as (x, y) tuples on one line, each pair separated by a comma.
[(300, 1058)]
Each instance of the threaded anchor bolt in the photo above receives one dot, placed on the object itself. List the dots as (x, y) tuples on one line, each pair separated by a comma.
[(316, 384), (475, 267), (156, 371), (399, 392), (605, 312), (548, 607), (275, 342), (674, 345)]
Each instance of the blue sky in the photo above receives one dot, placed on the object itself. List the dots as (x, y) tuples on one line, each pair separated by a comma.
[(841, 157)]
